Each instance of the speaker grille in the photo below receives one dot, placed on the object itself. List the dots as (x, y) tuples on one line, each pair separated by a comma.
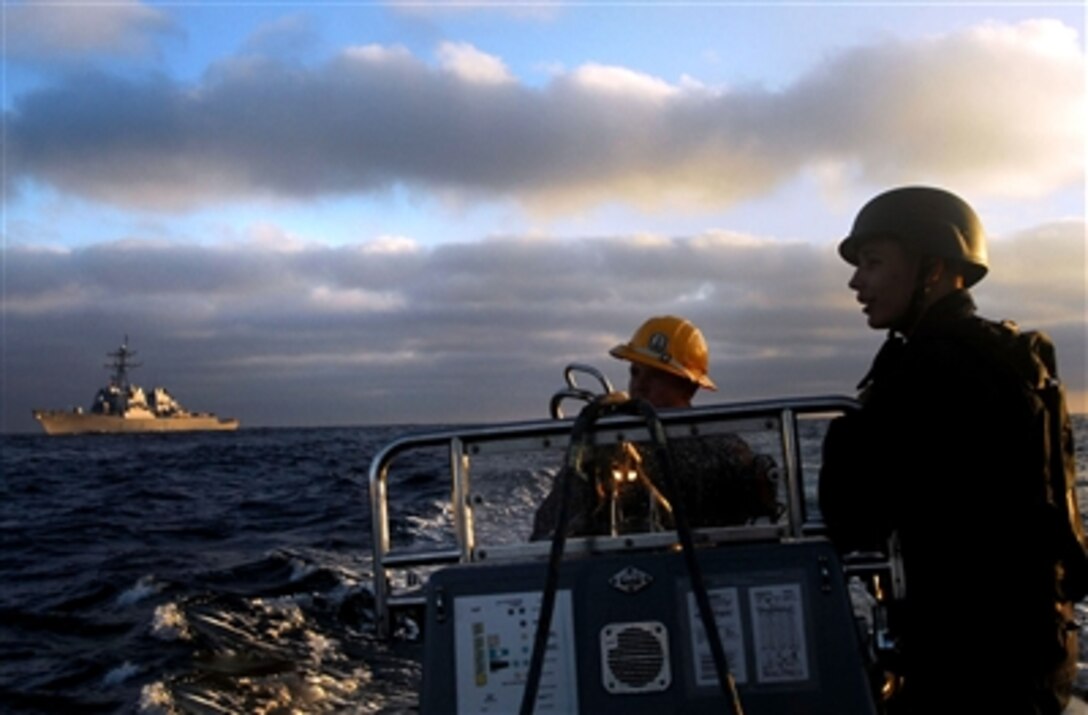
[(635, 657)]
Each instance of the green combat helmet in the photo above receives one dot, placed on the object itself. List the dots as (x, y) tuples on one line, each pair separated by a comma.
[(928, 221)]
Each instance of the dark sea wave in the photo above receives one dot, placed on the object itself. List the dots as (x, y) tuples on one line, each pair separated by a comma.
[(207, 573), (211, 573)]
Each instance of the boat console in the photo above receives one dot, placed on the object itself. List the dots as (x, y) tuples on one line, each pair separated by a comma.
[(625, 612)]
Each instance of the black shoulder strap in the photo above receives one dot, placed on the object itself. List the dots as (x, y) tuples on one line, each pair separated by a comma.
[(1045, 383), (1061, 464), (1032, 357)]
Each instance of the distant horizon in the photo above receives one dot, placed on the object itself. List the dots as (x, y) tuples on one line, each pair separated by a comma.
[(570, 410), (406, 427)]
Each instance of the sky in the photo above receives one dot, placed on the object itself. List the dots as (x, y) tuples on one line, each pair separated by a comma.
[(357, 213)]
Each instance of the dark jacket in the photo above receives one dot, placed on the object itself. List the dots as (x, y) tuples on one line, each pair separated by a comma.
[(723, 482), (941, 453)]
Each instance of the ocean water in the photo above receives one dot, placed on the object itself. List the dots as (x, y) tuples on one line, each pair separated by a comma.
[(214, 573)]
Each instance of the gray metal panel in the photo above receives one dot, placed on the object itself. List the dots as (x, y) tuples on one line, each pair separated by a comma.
[(786, 602)]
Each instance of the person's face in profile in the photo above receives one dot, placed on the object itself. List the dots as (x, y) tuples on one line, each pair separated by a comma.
[(884, 281), (659, 388)]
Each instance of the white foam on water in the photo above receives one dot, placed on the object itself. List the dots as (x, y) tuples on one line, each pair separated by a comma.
[(120, 674), (169, 623), (146, 586), (155, 699)]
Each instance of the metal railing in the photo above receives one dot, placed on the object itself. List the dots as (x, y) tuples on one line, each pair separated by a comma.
[(463, 445)]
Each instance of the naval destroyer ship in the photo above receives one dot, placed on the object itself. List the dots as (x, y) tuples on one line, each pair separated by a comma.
[(122, 407)]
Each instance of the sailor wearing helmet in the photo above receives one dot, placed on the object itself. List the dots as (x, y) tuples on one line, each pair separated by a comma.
[(944, 455)]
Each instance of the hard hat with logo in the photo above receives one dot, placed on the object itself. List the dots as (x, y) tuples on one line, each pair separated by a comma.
[(929, 221), (671, 344)]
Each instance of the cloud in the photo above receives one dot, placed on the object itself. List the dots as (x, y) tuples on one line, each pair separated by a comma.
[(470, 65), (77, 31), (594, 79), (995, 109), (999, 108), (391, 331), (1052, 254)]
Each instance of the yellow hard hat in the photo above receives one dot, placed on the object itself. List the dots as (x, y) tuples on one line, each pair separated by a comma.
[(671, 344)]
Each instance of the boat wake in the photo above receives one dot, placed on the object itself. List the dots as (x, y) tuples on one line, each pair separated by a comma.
[(299, 645)]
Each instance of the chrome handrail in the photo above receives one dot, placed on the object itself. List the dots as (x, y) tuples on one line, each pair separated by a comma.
[(465, 442), (575, 391)]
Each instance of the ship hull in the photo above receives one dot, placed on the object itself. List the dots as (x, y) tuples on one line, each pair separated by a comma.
[(61, 422)]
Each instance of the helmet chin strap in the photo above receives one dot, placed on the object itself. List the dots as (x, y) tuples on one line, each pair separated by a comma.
[(905, 323)]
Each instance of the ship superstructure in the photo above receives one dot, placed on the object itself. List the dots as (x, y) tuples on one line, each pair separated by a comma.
[(121, 406)]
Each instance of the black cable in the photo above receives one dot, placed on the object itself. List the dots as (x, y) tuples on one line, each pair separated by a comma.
[(581, 437), (571, 468), (698, 585)]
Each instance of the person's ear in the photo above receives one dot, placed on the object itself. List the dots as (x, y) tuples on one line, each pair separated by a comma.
[(934, 271)]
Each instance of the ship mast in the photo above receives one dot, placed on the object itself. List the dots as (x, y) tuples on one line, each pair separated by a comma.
[(121, 365)]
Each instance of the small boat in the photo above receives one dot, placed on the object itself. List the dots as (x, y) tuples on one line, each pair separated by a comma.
[(122, 407), (762, 617)]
